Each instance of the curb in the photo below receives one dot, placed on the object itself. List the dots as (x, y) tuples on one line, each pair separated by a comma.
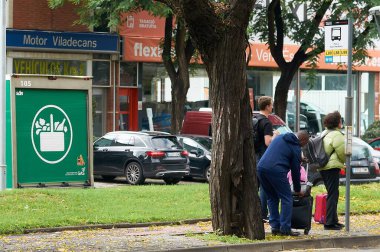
[(319, 243), (111, 226), (355, 241)]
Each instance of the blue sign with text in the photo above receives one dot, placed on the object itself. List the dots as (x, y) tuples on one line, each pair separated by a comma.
[(72, 41)]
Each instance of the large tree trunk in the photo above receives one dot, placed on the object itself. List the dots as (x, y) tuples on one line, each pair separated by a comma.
[(233, 186), (218, 30)]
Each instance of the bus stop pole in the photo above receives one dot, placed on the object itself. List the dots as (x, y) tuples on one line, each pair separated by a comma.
[(348, 119), (2, 95)]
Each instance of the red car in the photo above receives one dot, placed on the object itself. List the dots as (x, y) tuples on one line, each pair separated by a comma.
[(375, 143), (199, 123)]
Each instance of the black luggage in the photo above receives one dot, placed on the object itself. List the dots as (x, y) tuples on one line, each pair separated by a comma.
[(302, 213)]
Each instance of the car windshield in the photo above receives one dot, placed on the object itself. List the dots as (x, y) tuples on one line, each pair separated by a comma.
[(360, 149), (282, 128), (166, 142), (306, 105), (360, 152), (205, 141)]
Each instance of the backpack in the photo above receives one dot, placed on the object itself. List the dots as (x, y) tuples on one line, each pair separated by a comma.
[(256, 135), (315, 152)]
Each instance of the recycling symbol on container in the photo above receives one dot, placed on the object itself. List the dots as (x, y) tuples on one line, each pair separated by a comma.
[(51, 134)]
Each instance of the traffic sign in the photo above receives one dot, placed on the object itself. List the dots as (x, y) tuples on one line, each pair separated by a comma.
[(336, 41)]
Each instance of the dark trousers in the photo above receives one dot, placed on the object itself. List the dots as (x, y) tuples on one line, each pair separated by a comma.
[(277, 188), (331, 180), (262, 194)]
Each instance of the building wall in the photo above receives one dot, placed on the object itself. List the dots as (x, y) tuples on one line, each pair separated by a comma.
[(36, 15)]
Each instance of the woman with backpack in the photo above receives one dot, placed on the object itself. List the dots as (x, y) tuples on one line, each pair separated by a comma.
[(333, 144)]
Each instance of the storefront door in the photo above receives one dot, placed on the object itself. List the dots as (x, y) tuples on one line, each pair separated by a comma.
[(128, 99)]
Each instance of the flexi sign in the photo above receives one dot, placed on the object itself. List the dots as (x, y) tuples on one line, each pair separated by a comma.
[(142, 49)]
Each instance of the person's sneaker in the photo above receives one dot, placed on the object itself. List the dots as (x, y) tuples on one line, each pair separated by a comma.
[(334, 227), (290, 233), (276, 231)]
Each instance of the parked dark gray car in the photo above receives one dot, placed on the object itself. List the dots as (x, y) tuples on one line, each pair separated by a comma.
[(313, 114), (199, 148), (140, 155), (363, 166)]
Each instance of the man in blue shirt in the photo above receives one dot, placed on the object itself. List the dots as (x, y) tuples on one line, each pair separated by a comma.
[(282, 155)]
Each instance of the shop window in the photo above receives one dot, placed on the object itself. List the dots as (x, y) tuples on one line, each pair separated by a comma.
[(336, 82), (124, 122), (101, 73), (124, 103), (261, 81), (99, 112), (128, 74), (307, 84)]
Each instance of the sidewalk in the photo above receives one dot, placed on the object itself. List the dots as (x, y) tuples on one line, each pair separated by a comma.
[(365, 232)]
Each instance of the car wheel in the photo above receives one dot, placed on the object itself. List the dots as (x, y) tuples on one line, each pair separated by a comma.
[(207, 174), (134, 174), (171, 181), (108, 177)]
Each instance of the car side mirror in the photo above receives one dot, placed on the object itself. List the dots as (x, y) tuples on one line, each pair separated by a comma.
[(194, 151), (197, 152)]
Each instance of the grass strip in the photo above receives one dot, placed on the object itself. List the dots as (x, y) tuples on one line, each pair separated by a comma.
[(41, 208)]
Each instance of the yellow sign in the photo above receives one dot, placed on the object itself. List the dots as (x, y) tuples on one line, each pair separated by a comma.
[(49, 67)]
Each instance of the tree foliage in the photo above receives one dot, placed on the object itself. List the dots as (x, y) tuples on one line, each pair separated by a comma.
[(94, 13), (279, 21), (372, 132)]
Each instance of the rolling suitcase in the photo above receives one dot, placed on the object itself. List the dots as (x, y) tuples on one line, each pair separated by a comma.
[(320, 208), (302, 213)]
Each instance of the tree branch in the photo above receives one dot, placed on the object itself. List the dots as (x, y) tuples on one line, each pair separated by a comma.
[(276, 44), (190, 49), (166, 54), (315, 25), (239, 12), (180, 46), (315, 52), (206, 16)]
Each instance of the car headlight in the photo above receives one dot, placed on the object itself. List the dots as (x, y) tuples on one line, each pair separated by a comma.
[(208, 156)]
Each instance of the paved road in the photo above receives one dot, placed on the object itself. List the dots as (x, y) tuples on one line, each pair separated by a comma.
[(164, 238)]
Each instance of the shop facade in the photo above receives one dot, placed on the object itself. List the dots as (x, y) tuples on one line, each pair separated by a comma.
[(128, 76), (42, 41), (142, 35)]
